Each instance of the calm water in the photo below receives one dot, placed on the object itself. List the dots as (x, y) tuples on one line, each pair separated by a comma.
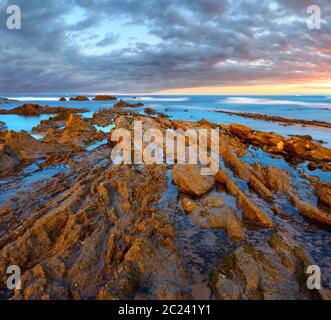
[(197, 107)]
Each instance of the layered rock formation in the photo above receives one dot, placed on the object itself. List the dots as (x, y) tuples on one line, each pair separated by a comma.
[(80, 227)]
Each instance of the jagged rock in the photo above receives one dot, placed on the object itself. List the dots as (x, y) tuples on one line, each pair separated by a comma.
[(324, 193), (311, 212), (53, 122), (190, 181), (20, 146), (250, 210), (79, 131)]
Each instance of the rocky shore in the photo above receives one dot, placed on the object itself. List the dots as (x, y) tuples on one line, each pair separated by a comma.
[(6, 100), (80, 227), (285, 121)]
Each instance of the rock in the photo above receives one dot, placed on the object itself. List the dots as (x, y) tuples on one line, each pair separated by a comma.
[(188, 205), (277, 179), (78, 131), (307, 149), (250, 210), (211, 212), (311, 212), (53, 122), (241, 131), (151, 111), (62, 99), (312, 166), (37, 110), (104, 98), (124, 104), (189, 180), (247, 273), (2, 125), (5, 100), (324, 194), (80, 98), (226, 289)]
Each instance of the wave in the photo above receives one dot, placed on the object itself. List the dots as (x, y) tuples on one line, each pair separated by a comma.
[(162, 99), (35, 98), (262, 101)]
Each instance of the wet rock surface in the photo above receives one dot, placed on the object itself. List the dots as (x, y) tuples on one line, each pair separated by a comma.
[(286, 121), (81, 227)]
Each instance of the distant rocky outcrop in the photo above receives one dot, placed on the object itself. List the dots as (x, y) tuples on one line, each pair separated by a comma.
[(79, 98), (6, 100), (104, 98), (62, 99)]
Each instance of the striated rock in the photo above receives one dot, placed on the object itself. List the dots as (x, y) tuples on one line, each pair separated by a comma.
[(311, 212), (301, 147), (189, 180), (284, 121), (241, 131), (324, 193), (250, 210), (80, 98), (104, 98)]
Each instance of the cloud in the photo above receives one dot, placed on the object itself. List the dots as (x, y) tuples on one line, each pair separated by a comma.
[(144, 46)]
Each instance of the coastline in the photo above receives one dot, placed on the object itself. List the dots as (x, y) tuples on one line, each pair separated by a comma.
[(164, 228)]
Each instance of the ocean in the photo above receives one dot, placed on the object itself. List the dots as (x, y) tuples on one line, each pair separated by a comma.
[(196, 107)]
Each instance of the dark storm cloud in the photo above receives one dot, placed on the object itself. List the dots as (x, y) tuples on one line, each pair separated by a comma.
[(189, 43)]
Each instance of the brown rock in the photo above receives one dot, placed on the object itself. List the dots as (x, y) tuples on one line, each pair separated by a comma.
[(188, 205), (189, 180), (80, 98), (324, 194), (104, 98), (250, 210), (124, 104)]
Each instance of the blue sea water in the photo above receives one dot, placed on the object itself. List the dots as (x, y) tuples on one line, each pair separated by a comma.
[(197, 107)]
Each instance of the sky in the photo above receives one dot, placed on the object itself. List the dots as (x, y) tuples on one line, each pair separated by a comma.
[(165, 47)]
